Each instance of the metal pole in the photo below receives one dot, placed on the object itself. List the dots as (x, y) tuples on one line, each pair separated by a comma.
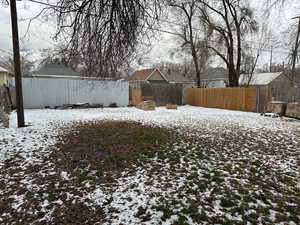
[(17, 65), (271, 59), (295, 53)]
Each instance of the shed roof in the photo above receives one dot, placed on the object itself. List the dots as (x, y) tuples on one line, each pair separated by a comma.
[(141, 74), (177, 78), (56, 69), (214, 73), (259, 78), (3, 70)]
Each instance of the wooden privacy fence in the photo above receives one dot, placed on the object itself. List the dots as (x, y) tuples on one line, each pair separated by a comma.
[(136, 96), (7, 98), (162, 94), (243, 99)]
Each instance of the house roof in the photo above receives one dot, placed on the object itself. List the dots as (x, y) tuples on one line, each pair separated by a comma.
[(259, 78), (214, 74), (141, 74), (3, 70), (55, 70), (177, 78)]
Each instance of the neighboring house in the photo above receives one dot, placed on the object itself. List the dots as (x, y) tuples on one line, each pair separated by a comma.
[(6, 78), (176, 78), (153, 84), (214, 78), (275, 86), (56, 70), (152, 75), (260, 79), (155, 76)]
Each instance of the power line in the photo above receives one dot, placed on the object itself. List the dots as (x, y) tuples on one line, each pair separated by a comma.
[(215, 42), (161, 20), (171, 32), (43, 3)]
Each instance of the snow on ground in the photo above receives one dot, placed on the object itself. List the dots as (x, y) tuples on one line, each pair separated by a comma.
[(186, 115), (28, 147), (40, 132)]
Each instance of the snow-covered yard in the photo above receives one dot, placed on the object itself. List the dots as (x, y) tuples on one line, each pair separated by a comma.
[(223, 167)]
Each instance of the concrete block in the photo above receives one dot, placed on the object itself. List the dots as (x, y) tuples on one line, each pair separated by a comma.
[(293, 110), (170, 106), (277, 107)]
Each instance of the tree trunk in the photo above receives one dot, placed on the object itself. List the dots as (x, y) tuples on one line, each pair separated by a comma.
[(233, 76), (195, 59)]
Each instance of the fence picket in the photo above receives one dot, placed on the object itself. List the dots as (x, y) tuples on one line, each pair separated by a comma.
[(225, 98)]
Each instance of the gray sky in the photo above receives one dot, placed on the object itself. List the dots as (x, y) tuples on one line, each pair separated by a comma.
[(41, 32)]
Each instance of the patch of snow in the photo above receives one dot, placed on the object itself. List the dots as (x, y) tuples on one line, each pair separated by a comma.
[(132, 192)]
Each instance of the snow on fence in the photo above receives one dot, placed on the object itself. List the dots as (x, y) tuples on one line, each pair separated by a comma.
[(42, 92), (243, 99)]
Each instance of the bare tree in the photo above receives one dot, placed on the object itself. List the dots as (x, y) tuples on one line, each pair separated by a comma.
[(185, 68), (26, 65), (229, 21), (277, 3), (252, 51), (193, 34), (290, 41), (103, 33)]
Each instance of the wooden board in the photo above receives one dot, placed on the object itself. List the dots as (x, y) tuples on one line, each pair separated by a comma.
[(243, 99)]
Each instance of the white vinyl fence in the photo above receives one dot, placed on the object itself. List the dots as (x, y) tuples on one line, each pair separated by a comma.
[(41, 92)]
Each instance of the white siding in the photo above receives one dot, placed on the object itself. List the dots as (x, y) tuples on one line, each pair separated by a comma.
[(213, 83), (41, 92)]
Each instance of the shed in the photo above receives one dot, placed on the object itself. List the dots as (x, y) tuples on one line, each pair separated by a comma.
[(57, 70), (275, 86)]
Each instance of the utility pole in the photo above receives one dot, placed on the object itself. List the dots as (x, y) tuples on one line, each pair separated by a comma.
[(271, 59), (17, 65), (295, 52)]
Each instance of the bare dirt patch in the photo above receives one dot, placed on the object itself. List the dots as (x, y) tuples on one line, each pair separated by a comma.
[(109, 145), (87, 154)]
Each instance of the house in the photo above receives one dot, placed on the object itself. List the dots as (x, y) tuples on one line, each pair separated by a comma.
[(6, 78), (275, 86), (214, 78), (259, 79), (163, 88), (176, 78), (152, 75), (57, 70), (155, 76)]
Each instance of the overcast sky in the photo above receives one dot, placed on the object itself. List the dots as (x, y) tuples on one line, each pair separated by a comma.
[(41, 32)]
